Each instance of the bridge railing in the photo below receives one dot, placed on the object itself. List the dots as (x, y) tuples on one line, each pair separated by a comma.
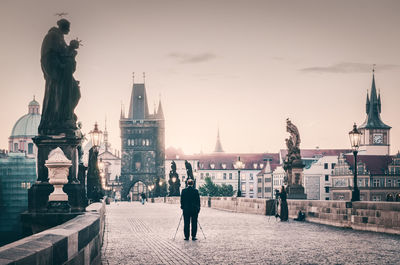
[(364, 215), (77, 241)]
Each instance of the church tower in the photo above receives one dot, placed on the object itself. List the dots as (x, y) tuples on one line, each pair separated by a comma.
[(142, 141), (375, 139)]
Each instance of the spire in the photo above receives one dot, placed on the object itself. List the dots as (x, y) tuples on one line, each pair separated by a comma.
[(138, 108), (218, 145), (367, 104), (122, 116), (105, 135), (373, 120), (268, 167), (160, 112), (379, 101)]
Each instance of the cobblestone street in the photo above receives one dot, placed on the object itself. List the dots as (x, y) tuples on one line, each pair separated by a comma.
[(137, 234)]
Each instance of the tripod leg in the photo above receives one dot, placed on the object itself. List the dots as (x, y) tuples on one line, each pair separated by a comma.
[(201, 229), (178, 225)]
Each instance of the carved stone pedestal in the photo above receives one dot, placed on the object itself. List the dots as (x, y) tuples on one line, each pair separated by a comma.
[(42, 213), (295, 189)]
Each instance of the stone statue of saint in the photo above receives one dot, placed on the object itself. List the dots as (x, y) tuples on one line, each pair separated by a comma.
[(173, 167), (189, 170), (62, 91)]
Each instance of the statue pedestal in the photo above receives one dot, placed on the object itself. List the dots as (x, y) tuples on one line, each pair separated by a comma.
[(42, 213), (296, 191), (295, 188)]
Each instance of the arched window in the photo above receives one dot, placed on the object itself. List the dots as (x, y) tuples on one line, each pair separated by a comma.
[(15, 147), (30, 148)]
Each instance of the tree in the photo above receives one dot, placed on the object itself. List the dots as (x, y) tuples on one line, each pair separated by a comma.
[(213, 190)]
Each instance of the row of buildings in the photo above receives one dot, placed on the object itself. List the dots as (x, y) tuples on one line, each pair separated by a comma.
[(328, 173)]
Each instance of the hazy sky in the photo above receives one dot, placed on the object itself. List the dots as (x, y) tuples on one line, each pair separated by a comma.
[(243, 65)]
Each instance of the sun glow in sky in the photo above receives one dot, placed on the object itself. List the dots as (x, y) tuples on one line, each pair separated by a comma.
[(242, 66)]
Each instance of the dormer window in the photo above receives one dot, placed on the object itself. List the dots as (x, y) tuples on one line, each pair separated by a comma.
[(223, 166), (212, 165), (261, 165), (255, 165)]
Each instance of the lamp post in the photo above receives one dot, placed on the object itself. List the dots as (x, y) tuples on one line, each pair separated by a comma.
[(355, 138), (94, 189), (239, 165)]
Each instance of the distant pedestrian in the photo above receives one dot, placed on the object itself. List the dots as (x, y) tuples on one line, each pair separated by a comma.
[(284, 206), (143, 197), (190, 204)]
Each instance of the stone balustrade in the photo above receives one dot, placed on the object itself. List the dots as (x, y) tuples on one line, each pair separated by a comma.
[(77, 241), (369, 216)]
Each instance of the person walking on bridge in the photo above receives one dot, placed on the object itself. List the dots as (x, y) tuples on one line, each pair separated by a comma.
[(190, 204)]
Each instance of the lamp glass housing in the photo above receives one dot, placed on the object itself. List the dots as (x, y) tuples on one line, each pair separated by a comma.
[(355, 138)]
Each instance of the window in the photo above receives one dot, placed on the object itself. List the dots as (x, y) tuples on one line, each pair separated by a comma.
[(326, 177), (376, 198), (259, 190), (326, 189), (224, 176), (207, 174), (243, 187), (267, 179), (333, 165), (251, 187), (326, 166), (230, 175), (267, 189), (376, 182), (201, 175), (259, 180), (326, 198), (398, 183), (30, 148), (251, 176), (389, 183), (15, 147)]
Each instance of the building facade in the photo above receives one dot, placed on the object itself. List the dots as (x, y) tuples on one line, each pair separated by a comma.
[(378, 172), (142, 143)]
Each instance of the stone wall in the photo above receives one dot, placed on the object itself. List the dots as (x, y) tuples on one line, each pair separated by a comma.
[(77, 241), (369, 216)]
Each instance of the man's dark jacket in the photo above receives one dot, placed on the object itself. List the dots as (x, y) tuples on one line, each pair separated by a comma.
[(190, 200)]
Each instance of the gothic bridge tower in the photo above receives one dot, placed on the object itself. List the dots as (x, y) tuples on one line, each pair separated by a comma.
[(142, 144)]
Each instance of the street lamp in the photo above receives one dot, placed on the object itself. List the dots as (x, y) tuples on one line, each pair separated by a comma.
[(94, 189), (355, 138), (239, 165), (95, 136)]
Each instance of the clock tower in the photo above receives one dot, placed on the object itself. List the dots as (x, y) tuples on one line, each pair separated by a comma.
[(375, 138)]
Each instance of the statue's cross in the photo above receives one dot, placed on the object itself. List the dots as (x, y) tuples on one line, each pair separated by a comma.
[(62, 14)]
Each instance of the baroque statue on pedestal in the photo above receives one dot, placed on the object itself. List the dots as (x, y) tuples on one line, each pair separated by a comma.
[(62, 91)]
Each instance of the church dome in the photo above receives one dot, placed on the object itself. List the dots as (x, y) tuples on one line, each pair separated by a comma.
[(27, 125)]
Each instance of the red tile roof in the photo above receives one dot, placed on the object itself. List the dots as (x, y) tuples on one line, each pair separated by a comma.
[(310, 153), (227, 159), (376, 165)]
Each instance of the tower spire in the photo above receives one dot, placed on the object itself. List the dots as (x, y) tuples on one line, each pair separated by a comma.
[(373, 107), (105, 134), (218, 145)]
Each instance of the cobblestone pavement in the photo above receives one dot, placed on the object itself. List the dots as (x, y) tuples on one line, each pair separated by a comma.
[(143, 234)]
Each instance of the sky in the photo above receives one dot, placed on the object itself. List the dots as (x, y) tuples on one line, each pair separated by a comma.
[(241, 66)]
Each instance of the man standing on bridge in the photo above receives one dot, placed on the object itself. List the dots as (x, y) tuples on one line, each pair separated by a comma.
[(190, 204)]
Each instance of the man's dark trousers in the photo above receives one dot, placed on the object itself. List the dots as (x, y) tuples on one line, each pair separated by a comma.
[(187, 216)]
